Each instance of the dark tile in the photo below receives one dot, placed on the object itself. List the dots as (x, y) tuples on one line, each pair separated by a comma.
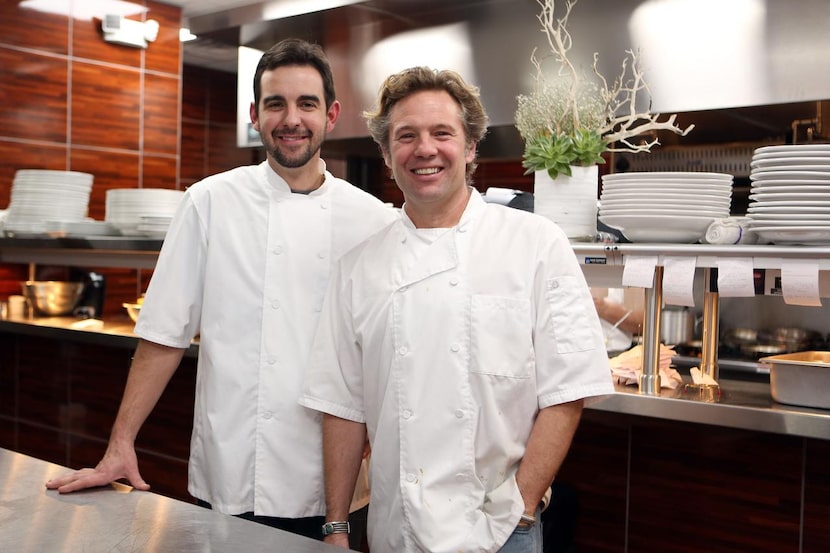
[(196, 83), (35, 29), (159, 171), (43, 385), (817, 497), (706, 488), (111, 170), (161, 114), (193, 152), (105, 106), (88, 43), (165, 53), (18, 155), (223, 154), (34, 96)]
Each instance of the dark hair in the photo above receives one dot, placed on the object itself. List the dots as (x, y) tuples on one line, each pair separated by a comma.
[(294, 51), (416, 79)]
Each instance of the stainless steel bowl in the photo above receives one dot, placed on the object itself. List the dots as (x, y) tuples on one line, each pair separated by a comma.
[(51, 297)]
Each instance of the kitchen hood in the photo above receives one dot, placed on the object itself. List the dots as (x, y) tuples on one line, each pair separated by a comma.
[(698, 55)]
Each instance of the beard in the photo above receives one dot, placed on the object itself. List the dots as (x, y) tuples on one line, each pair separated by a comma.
[(294, 159)]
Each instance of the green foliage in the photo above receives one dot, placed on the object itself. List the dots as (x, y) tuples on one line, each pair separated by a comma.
[(556, 153)]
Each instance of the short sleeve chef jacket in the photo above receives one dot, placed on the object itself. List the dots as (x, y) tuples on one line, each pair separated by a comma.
[(447, 352), (246, 263)]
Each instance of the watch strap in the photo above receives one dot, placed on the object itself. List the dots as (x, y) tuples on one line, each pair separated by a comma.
[(336, 527)]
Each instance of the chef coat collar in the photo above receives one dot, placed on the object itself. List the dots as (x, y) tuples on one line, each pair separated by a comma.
[(276, 182), (475, 205)]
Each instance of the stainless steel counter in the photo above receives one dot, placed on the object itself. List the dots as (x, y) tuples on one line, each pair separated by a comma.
[(114, 519), (746, 405)]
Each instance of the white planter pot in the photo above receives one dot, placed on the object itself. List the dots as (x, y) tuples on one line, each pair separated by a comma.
[(570, 202)]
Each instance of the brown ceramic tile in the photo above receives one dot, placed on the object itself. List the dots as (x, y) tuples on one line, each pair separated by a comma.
[(223, 154), (161, 114), (596, 472), (88, 43), (97, 378), (8, 364), (8, 433), (111, 170), (223, 98), (34, 96), (159, 172), (122, 287), (42, 443), (193, 153), (168, 428), (817, 497), (196, 84), (105, 106), (29, 28), (18, 155), (165, 53), (42, 380)]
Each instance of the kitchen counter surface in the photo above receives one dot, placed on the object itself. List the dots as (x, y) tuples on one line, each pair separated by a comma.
[(743, 404), (114, 519)]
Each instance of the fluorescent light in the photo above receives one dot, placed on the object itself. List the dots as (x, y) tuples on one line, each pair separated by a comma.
[(86, 10), (288, 8), (185, 35)]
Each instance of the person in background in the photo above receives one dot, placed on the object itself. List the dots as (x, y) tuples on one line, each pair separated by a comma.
[(462, 340), (621, 315), (245, 264)]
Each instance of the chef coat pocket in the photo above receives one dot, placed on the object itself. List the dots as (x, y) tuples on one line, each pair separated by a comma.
[(500, 336), (570, 311)]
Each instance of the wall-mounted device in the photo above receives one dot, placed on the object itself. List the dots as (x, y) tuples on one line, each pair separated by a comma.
[(128, 32)]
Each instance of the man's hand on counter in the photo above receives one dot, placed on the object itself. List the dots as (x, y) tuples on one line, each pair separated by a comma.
[(118, 462)]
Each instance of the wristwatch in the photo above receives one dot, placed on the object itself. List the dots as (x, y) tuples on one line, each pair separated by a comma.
[(338, 527)]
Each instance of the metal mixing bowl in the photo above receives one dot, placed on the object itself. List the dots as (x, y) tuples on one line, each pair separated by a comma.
[(51, 297)]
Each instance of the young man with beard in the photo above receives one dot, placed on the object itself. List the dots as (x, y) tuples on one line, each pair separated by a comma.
[(245, 264)]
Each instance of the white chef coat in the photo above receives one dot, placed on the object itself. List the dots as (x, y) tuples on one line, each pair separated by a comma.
[(446, 344), (246, 263)]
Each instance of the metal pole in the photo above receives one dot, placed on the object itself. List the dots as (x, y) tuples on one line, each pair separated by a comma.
[(649, 380)]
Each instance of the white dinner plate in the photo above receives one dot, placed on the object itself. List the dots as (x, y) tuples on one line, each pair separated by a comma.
[(790, 175), (681, 211), (783, 163), (816, 188), (805, 235), (784, 209), (664, 175), (785, 203), (659, 187), (820, 223), (793, 149)]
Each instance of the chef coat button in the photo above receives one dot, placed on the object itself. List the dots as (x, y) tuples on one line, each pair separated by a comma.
[(462, 229), (407, 414), (272, 360), (277, 250), (554, 284), (402, 350), (459, 414), (453, 281), (324, 206), (459, 476), (321, 255), (410, 477), (455, 348), (267, 415), (275, 304)]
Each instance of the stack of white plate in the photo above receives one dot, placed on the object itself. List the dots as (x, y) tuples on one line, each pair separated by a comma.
[(126, 208), (790, 195), (40, 195), (664, 206)]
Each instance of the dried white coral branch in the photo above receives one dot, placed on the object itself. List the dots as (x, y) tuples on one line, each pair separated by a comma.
[(622, 121)]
